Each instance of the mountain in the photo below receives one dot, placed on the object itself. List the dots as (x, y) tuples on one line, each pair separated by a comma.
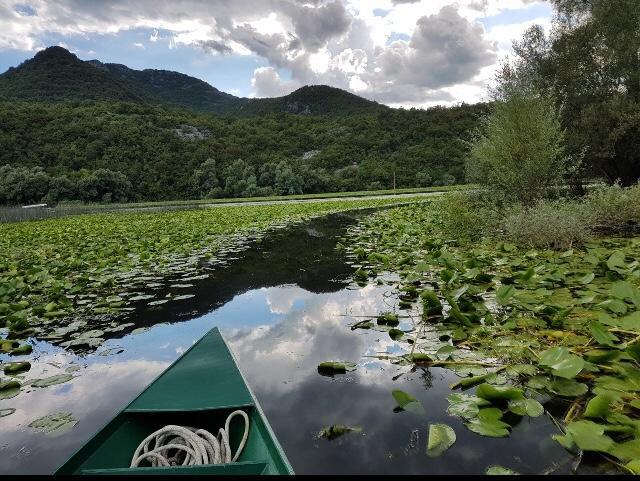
[(314, 99), (174, 88), (55, 75)]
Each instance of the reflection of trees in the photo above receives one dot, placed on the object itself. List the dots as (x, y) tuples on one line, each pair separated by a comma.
[(426, 377)]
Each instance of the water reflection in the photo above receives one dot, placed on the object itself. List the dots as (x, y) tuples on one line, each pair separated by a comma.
[(287, 308)]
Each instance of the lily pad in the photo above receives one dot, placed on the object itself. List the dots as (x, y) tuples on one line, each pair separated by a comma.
[(561, 362), (7, 412), (16, 367), (587, 435), (441, 438), (52, 380), (337, 430), (333, 367), (407, 402), (500, 471), (54, 424), (526, 406), (488, 423)]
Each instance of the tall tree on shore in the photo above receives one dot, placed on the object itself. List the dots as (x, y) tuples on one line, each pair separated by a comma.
[(590, 64)]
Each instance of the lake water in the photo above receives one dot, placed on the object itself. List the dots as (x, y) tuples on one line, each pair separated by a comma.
[(284, 306)]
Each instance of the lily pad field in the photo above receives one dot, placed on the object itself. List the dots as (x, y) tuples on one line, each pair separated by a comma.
[(529, 331), (69, 280), (362, 325)]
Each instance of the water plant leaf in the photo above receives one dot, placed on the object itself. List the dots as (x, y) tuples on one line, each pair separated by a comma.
[(337, 430), (587, 435), (526, 406), (336, 367), (567, 387), (430, 303), (419, 357), (7, 412), (627, 451), (396, 334), (407, 402), (587, 278), (616, 262), (504, 293), (464, 405), (16, 367), (561, 362), (601, 335), (500, 471), (441, 438), (488, 423), (624, 290), (9, 389), (494, 393), (52, 380), (599, 406), (54, 424)]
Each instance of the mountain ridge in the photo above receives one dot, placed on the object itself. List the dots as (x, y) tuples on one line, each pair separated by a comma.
[(55, 74)]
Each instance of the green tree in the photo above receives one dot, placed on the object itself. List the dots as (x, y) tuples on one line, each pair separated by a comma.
[(286, 181), (104, 185), (61, 188), (423, 179), (519, 154), (205, 180), (240, 180), (590, 64)]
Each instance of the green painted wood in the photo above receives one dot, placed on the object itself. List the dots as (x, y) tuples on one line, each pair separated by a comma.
[(200, 389), (204, 377)]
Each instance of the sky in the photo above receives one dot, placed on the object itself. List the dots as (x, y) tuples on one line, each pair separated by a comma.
[(403, 53)]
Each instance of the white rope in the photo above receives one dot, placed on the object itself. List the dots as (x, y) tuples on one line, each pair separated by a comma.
[(186, 446)]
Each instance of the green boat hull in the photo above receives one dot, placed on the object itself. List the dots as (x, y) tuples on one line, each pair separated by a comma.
[(200, 389)]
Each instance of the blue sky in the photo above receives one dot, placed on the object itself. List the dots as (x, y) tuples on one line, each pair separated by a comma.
[(399, 52)]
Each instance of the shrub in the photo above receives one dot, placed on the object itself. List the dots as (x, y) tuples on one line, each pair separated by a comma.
[(555, 224), (614, 209), (467, 217), (519, 154)]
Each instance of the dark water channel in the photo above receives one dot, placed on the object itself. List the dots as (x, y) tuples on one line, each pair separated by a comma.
[(284, 306)]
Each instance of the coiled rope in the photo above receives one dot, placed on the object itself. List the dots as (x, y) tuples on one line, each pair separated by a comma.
[(186, 446)]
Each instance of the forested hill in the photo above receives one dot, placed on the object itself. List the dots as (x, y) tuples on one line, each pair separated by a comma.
[(93, 131), (165, 153), (55, 75)]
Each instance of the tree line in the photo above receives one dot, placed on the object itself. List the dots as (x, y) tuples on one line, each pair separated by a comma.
[(167, 153)]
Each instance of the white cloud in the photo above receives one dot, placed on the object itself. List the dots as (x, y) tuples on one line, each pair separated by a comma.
[(266, 82), (415, 53)]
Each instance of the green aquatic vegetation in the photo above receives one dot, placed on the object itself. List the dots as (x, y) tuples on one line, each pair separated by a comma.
[(7, 412), (52, 380), (77, 268), (407, 402), (16, 367), (9, 389), (337, 430), (333, 367), (54, 424), (441, 438), (500, 471), (552, 324)]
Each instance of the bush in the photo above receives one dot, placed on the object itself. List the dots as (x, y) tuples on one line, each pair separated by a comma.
[(467, 217), (614, 209), (519, 155), (555, 224)]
